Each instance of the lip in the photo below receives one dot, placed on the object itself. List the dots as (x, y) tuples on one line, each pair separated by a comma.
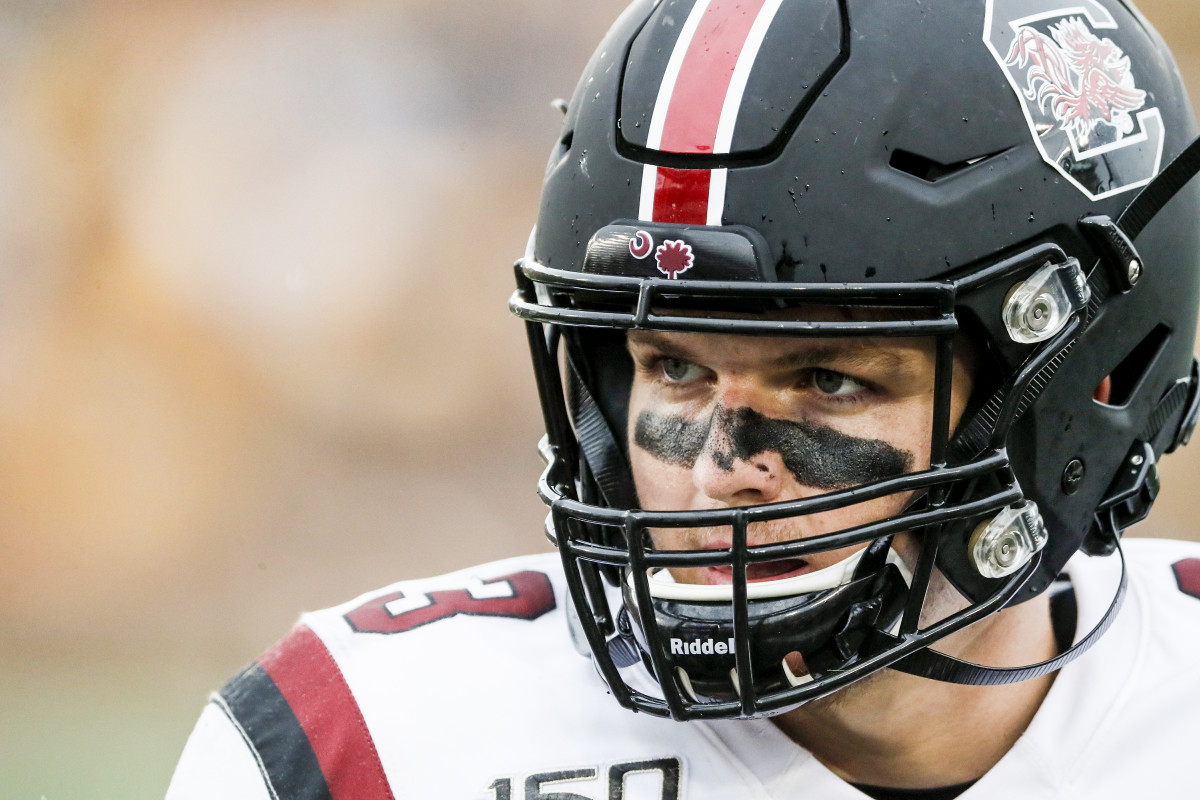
[(762, 571)]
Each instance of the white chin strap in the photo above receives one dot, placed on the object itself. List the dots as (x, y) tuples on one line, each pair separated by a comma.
[(664, 587)]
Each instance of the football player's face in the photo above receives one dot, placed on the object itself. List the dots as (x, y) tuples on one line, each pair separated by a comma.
[(717, 421)]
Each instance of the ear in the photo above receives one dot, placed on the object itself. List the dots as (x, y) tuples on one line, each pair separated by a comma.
[(1104, 391)]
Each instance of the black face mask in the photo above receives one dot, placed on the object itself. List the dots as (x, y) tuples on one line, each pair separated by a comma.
[(816, 455)]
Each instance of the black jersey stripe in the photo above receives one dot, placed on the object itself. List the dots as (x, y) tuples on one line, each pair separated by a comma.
[(286, 757)]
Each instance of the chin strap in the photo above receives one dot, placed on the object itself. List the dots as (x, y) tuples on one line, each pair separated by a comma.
[(1120, 268), (1158, 192), (941, 667), (604, 456), (1113, 240)]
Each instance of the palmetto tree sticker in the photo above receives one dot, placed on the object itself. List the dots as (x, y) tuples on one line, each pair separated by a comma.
[(674, 257)]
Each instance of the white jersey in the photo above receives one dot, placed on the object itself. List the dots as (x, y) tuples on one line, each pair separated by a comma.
[(468, 687)]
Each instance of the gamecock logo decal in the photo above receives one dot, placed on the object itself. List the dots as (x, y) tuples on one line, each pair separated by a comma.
[(674, 256), (1083, 80), (1079, 92)]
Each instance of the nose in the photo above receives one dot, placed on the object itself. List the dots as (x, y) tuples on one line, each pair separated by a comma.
[(725, 473)]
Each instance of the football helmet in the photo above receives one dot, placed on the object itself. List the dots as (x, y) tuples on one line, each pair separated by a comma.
[(989, 170)]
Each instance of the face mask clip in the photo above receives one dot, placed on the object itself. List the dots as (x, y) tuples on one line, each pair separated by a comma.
[(1118, 257), (1001, 546), (1039, 307)]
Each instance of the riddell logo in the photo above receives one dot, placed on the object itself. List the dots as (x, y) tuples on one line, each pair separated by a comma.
[(701, 647)]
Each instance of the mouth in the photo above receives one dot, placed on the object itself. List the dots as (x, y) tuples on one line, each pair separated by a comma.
[(761, 571)]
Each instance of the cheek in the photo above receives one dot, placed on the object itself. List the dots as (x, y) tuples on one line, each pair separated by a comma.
[(660, 486), (906, 426), (852, 516)]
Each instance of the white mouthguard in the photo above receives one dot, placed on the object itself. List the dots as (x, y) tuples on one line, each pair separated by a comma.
[(664, 587)]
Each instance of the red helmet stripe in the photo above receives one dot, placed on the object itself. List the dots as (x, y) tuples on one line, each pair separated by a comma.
[(681, 195), (698, 103), (704, 77)]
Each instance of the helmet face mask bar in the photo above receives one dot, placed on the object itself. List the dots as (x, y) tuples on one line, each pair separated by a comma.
[(916, 226)]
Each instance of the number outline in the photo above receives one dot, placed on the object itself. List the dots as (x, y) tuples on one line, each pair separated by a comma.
[(532, 596)]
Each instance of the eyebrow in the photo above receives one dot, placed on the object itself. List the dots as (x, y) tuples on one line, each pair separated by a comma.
[(862, 356), (848, 356)]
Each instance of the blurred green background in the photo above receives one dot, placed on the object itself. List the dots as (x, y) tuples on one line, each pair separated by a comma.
[(254, 258)]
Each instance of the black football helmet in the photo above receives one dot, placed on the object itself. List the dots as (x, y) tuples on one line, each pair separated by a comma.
[(992, 170)]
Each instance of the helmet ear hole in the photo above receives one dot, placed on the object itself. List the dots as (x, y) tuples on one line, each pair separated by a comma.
[(1126, 378)]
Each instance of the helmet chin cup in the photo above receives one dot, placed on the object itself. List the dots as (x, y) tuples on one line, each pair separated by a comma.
[(826, 617)]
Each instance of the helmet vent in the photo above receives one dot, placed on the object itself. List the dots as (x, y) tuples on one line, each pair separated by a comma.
[(1127, 377), (561, 150), (927, 169)]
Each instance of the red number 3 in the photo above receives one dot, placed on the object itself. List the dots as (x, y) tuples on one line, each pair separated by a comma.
[(522, 595)]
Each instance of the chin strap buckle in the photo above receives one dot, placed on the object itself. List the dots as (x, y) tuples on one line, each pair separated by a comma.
[(1122, 264), (1126, 502), (1187, 424)]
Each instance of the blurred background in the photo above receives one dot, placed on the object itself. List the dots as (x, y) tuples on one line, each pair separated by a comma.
[(254, 258)]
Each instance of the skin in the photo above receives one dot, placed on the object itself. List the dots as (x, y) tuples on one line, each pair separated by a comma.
[(721, 421)]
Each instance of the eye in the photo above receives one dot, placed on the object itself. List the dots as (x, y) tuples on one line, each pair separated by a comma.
[(676, 370), (835, 383)]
